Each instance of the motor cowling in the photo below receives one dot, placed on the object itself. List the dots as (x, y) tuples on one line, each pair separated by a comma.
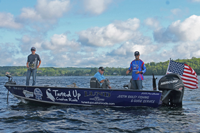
[(172, 88)]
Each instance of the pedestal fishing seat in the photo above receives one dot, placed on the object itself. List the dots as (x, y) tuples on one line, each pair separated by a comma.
[(94, 83)]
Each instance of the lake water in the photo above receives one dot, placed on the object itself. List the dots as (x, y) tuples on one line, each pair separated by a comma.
[(19, 117)]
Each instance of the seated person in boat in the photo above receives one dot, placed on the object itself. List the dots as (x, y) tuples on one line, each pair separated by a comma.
[(104, 83)]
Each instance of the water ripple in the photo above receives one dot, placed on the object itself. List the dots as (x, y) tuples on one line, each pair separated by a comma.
[(18, 117)]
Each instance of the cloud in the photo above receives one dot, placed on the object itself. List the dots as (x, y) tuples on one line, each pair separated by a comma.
[(27, 41), (96, 6), (60, 43), (10, 57), (180, 31), (116, 32), (181, 50), (180, 13), (45, 11), (62, 52), (125, 53), (187, 50), (176, 11), (152, 23), (59, 51), (7, 20), (194, 0)]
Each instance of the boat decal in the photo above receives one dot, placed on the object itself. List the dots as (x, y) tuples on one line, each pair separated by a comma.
[(181, 88), (97, 99), (27, 93), (70, 96), (150, 93), (75, 94), (139, 98), (18, 88), (169, 82), (148, 101), (49, 95), (98, 103), (96, 93), (38, 94)]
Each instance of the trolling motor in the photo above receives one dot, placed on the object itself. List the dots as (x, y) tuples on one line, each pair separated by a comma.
[(10, 82), (172, 88), (10, 79)]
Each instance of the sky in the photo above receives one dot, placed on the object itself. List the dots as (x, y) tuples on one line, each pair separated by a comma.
[(93, 33)]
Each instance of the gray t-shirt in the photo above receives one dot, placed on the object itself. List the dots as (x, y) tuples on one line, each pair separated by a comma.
[(33, 61)]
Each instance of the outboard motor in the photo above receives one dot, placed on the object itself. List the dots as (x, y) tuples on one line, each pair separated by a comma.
[(172, 88), (94, 83)]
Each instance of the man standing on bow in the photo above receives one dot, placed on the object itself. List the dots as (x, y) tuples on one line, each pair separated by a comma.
[(138, 68), (32, 65), (104, 83)]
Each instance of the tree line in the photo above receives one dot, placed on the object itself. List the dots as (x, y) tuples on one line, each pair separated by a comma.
[(152, 68)]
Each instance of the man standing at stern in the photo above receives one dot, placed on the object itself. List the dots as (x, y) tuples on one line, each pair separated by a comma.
[(138, 68), (104, 83), (32, 65)]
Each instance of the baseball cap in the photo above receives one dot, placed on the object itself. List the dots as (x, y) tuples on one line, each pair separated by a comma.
[(101, 68), (136, 53), (33, 48)]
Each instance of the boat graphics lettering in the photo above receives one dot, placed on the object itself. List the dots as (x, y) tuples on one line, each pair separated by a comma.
[(142, 97), (56, 95), (96, 93), (169, 82), (97, 97)]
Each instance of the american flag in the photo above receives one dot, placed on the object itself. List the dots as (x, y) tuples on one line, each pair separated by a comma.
[(188, 75)]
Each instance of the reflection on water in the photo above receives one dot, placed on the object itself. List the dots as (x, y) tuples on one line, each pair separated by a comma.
[(19, 117)]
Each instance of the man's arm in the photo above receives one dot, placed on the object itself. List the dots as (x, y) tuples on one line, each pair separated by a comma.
[(39, 61), (127, 72), (139, 72), (27, 64), (144, 68), (39, 64), (130, 69), (102, 81)]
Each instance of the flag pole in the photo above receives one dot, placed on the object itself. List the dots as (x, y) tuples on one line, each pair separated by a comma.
[(168, 65)]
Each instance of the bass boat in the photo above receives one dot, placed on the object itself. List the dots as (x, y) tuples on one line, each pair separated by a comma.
[(170, 92)]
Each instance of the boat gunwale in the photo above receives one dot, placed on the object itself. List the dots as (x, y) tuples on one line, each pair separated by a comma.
[(7, 85)]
